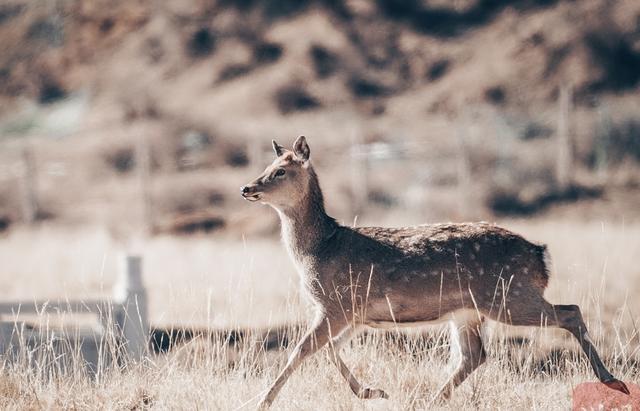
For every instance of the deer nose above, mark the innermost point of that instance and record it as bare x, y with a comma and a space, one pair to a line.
245, 189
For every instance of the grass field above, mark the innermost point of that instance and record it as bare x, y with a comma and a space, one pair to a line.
222, 283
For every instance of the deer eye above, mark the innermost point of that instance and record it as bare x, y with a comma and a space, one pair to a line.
280, 172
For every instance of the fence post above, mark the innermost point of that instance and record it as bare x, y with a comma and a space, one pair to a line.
502, 175
359, 178
28, 198
256, 154
131, 297
602, 142
564, 164
464, 173
143, 163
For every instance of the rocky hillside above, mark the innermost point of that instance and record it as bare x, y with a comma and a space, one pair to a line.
310, 55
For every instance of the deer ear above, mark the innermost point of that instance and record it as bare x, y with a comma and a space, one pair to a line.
277, 148
301, 148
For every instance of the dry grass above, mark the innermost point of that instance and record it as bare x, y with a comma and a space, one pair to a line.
223, 283
209, 383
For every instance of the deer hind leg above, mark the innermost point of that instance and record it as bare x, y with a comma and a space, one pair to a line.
317, 337
356, 387
568, 317
466, 343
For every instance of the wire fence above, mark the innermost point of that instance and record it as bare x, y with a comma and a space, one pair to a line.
468, 157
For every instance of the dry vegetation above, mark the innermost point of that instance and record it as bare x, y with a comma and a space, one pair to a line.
223, 283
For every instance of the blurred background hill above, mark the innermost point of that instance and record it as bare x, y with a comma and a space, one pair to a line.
151, 114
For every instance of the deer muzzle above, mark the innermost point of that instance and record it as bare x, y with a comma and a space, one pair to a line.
250, 192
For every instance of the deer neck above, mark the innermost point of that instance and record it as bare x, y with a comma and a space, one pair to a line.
306, 226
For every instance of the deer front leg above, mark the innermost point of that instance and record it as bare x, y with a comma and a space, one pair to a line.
466, 343
354, 384
317, 337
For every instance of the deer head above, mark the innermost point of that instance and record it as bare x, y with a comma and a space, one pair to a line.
284, 183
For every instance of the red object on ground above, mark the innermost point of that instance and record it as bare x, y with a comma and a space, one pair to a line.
597, 396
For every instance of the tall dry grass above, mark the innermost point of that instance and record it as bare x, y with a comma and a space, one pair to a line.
222, 283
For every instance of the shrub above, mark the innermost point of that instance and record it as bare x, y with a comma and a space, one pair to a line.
293, 98
438, 69
233, 71
237, 157
615, 143
5, 222
325, 63
495, 95
364, 87
121, 159
201, 43
267, 53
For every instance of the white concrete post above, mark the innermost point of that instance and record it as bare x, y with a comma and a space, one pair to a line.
131, 298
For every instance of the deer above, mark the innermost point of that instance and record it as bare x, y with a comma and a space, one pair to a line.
385, 278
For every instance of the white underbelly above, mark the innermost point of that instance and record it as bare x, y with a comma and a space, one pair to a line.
458, 317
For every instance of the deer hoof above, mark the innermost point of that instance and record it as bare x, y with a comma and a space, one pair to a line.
371, 393
264, 405
444, 394
617, 385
